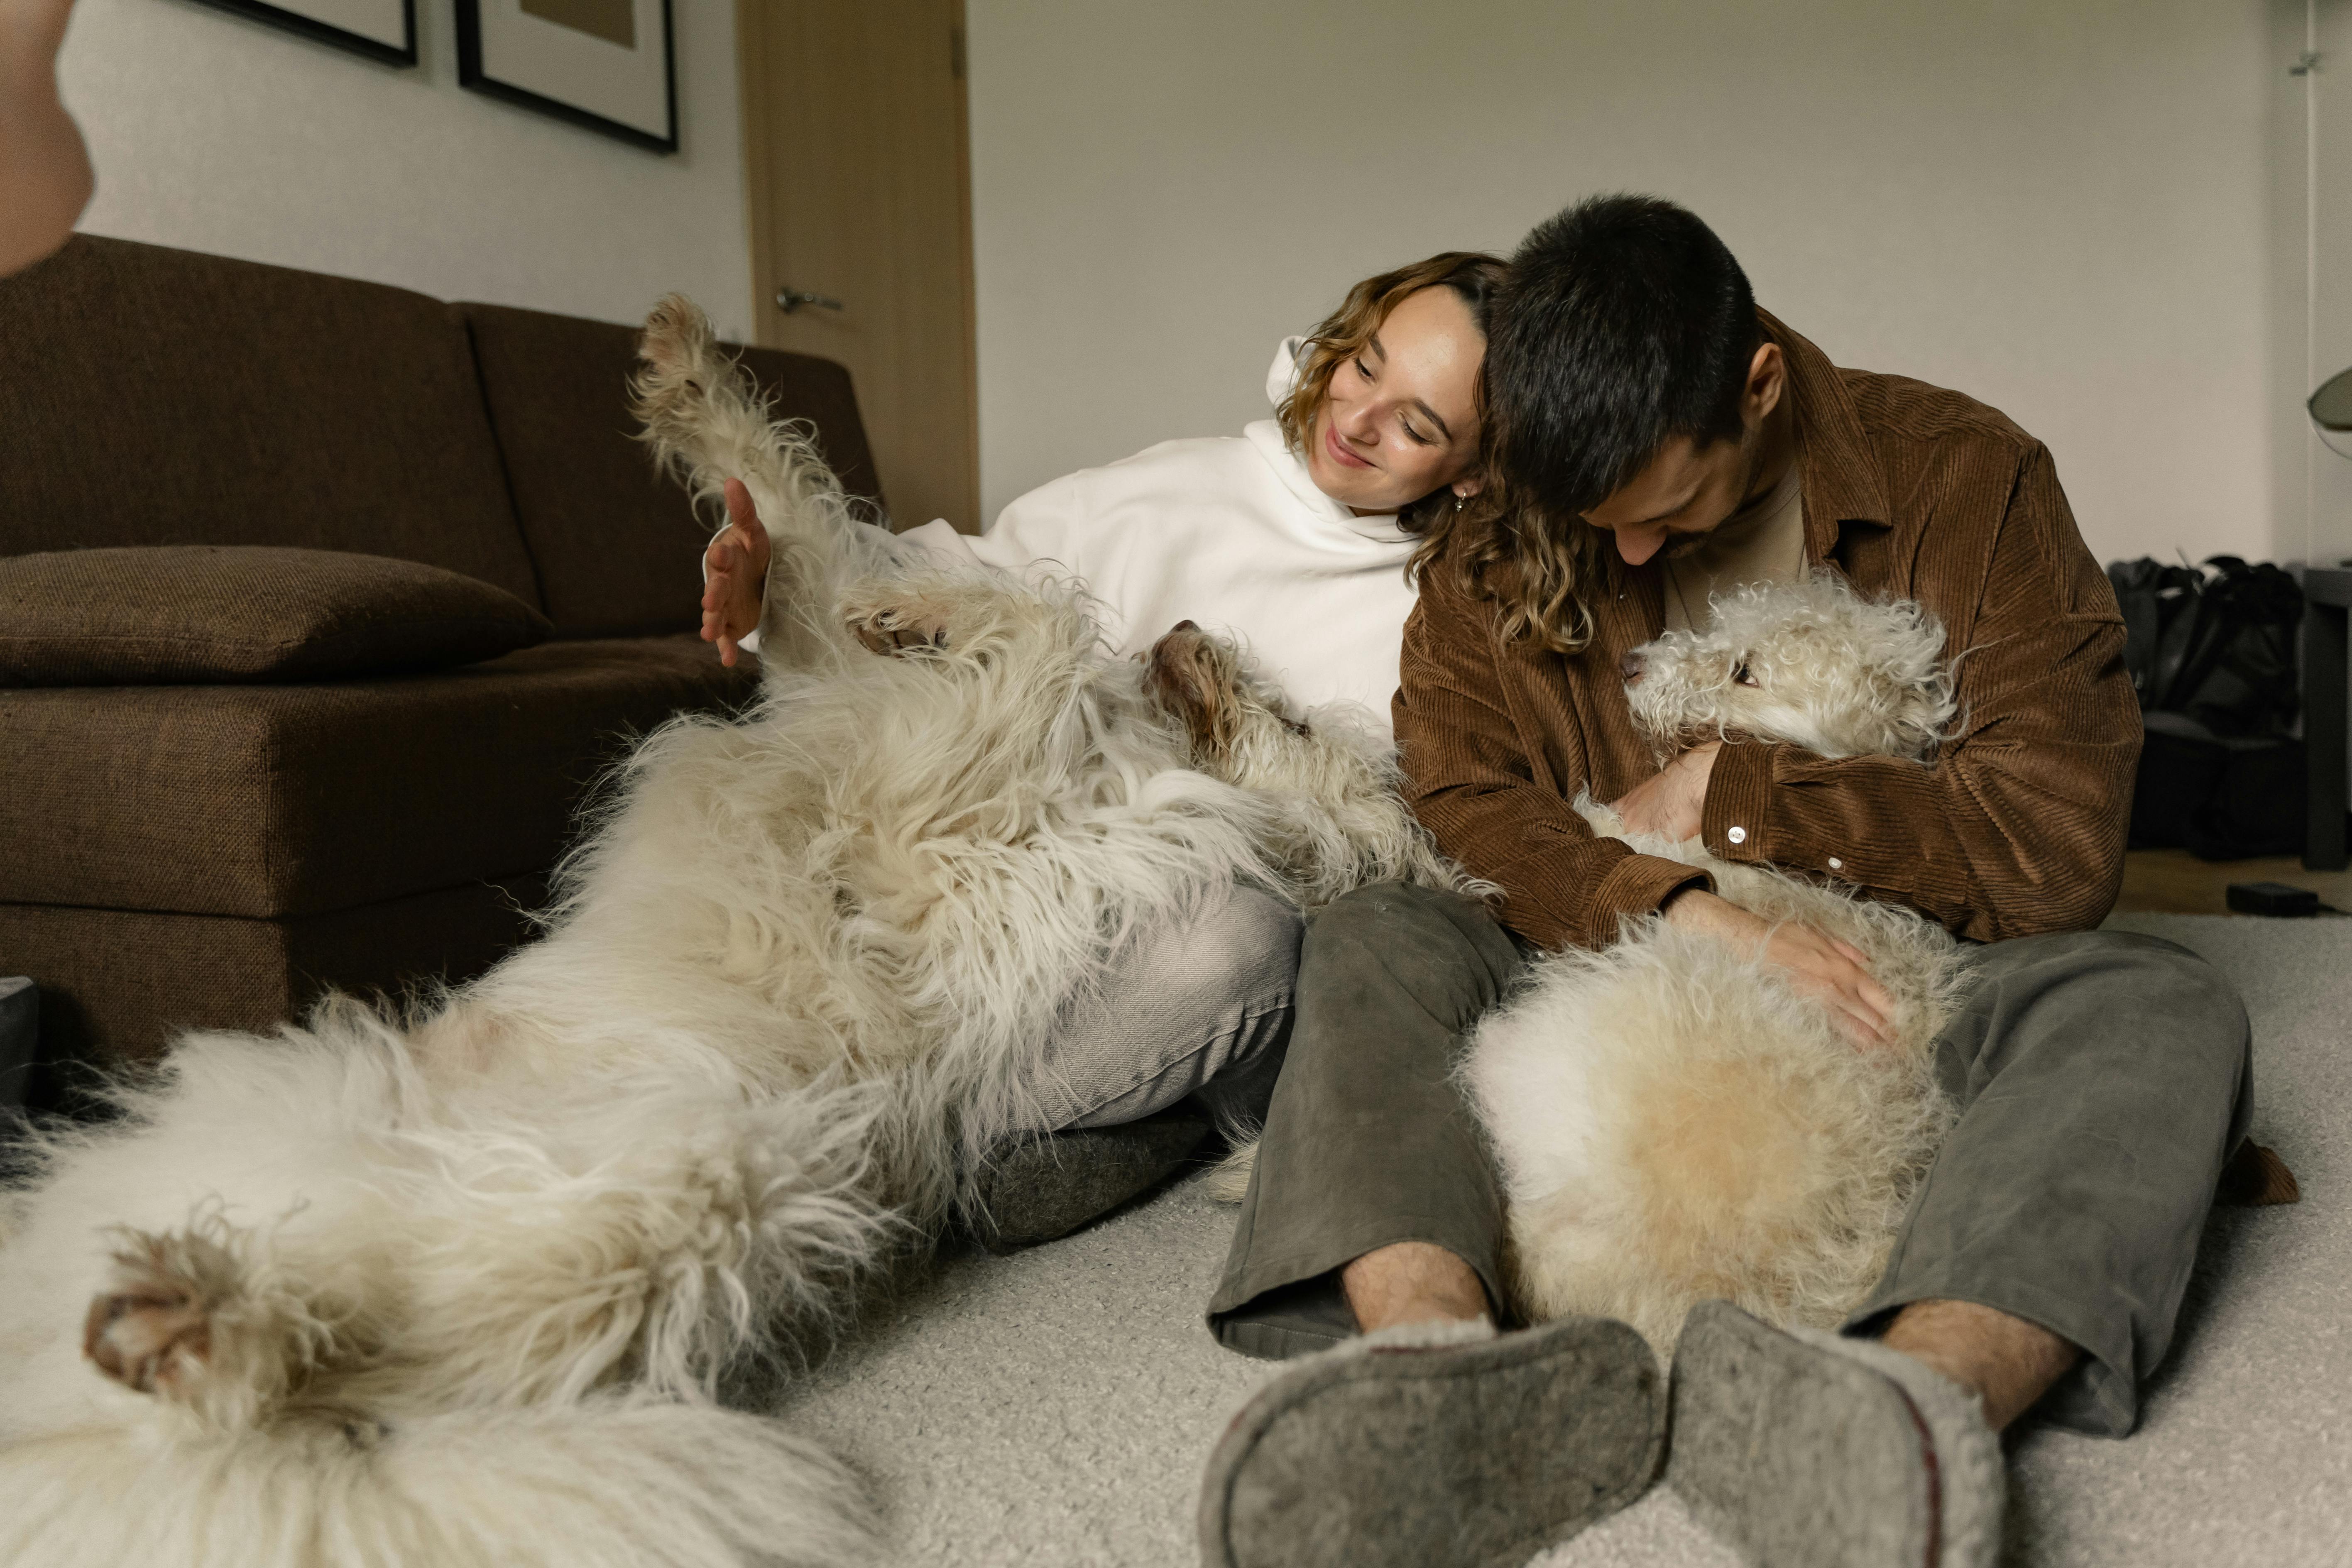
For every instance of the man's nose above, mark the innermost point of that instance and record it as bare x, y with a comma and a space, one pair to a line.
1632, 665
1635, 545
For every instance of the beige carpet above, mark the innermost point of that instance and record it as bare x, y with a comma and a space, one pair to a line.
1053, 1409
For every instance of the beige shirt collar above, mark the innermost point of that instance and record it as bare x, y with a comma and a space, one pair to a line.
1764, 541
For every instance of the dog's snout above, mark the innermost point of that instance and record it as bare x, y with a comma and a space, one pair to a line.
1183, 634
1632, 665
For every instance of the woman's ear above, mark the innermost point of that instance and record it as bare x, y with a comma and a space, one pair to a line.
1468, 487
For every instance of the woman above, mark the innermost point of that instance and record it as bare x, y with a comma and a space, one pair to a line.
1293, 536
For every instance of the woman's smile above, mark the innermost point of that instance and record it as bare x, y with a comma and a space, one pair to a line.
1341, 453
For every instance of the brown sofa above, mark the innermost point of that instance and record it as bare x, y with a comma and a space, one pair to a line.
182, 850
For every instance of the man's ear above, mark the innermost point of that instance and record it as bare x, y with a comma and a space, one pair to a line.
1768, 382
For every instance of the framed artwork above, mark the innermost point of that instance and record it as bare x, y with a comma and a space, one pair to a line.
383, 30
603, 64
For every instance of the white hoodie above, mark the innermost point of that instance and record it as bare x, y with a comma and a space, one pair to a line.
1230, 531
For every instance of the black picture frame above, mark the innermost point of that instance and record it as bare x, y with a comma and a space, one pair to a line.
473, 76
326, 32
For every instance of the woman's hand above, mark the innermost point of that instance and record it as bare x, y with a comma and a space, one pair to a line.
737, 580
1674, 804
1833, 973
45, 176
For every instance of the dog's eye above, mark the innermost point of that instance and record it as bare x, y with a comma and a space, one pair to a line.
1744, 678
1294, 727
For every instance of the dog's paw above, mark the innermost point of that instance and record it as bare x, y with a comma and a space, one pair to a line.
676, 336
151, 1328
901, 628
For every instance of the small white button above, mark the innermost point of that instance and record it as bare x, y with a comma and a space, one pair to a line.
1836, 864
1737, 835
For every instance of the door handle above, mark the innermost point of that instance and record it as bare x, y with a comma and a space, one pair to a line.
789, 301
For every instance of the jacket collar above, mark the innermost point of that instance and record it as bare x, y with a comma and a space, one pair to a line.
1842, 483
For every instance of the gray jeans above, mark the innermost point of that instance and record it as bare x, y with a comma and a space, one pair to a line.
1196, 1011
2103, 1079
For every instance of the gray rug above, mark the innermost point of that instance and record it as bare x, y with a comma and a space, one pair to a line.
1053, 1409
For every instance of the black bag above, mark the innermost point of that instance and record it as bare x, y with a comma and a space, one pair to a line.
2211, 655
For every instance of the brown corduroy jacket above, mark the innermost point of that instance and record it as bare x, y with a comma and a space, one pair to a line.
2017, 826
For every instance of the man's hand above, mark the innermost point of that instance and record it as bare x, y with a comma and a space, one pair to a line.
737, 564
1674, 804
1831, 971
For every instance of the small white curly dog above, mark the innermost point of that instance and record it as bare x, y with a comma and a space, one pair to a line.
455, 1287
1673, 1121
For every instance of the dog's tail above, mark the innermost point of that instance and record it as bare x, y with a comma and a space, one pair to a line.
1230, 1181
642, 1482
705, 420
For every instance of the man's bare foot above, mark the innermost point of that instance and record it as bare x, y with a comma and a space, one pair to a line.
735, 576
2006, 1362
1412, 1282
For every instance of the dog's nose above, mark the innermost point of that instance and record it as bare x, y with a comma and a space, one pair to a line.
1633, 664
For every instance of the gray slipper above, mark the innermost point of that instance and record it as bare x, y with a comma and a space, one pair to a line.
1436, 1444
1035, 1190
1809, 1451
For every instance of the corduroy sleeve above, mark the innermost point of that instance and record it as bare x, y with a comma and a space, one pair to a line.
2018, 827
1470, 779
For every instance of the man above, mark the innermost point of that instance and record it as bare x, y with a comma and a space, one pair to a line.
1660, 437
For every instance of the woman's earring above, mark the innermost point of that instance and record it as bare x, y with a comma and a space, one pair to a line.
1460, 501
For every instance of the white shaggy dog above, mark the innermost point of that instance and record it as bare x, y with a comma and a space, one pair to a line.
456, 1288
1674, 1122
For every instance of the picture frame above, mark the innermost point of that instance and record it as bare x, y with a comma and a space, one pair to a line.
381, 30
608, 66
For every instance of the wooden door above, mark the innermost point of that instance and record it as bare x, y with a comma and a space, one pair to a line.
854, 142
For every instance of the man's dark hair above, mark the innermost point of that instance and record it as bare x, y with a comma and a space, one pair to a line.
1625, 322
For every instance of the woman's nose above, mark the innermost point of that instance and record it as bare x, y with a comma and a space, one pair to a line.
1633, 664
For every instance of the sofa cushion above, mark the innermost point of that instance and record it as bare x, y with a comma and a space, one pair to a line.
617, 544
158, 396
252, 611
273, 800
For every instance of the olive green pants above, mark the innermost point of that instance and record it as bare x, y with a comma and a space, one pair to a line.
2102, 1079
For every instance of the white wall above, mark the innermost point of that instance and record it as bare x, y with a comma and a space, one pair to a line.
2062, 208
219, 135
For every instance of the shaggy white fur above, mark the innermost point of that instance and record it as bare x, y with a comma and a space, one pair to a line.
1674, 1122
455, 1287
